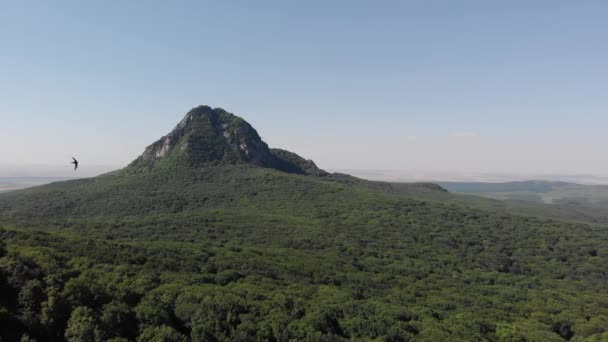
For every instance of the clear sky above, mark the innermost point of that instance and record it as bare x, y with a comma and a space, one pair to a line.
463, 86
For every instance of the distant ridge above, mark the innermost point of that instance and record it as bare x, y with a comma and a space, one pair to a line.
212, 136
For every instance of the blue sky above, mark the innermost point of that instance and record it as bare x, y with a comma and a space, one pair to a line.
463, 86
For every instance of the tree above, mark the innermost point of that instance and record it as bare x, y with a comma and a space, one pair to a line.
54, 314
82, 326
30, 299
118, 320
161, 333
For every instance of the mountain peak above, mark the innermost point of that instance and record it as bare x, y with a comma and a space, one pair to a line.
212, 136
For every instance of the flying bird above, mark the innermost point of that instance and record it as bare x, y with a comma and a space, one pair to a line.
75, 162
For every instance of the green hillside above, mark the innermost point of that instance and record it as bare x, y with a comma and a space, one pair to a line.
537, 191
224, 247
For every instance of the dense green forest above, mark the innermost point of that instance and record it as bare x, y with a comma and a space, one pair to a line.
246, 253
236, 251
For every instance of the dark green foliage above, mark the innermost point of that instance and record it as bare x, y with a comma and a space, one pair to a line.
253, 253
118, 319
161, 333
292, 163
82, 326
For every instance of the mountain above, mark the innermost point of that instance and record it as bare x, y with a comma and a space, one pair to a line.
208, 136
212, 236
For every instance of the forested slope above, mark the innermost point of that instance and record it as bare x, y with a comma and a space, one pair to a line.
261, 254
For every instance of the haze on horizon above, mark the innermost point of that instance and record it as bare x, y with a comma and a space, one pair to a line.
473, 87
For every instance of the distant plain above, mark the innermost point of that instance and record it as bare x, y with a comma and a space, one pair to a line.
15, 183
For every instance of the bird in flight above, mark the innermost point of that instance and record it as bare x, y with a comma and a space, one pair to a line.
75, 162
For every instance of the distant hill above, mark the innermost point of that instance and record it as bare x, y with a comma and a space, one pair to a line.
536, 191
210, 235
